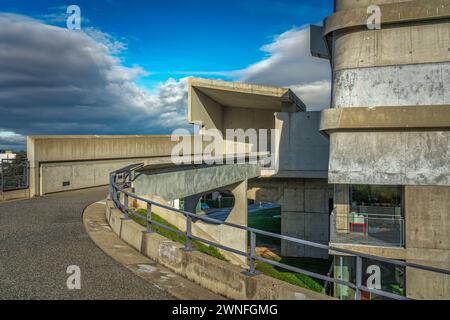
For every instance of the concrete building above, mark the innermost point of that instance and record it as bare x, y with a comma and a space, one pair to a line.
389, 139
370, 174
7, 154
300, 152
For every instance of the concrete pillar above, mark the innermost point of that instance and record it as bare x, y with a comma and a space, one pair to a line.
190, 203
304, 211
342, 206
305, 215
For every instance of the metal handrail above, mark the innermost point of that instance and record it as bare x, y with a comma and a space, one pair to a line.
116, 190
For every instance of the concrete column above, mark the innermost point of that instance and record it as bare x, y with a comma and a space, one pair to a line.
342, 205
305, 215
428, 240
190, 203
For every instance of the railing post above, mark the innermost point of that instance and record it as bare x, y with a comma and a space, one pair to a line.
188, 246
125, 206
149, 219
358, 277
252, 267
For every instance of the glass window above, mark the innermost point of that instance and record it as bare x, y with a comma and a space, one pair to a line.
376, 200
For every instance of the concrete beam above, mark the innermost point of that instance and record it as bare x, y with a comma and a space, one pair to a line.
433, 117
393, 13
177, 182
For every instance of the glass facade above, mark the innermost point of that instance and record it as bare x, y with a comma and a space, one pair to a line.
368, 215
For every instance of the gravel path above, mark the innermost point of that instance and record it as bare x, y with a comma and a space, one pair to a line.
41, 237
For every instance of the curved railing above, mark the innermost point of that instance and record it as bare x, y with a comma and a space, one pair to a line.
126, 174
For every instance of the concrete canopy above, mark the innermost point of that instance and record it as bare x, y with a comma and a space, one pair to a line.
249, 96
215, 103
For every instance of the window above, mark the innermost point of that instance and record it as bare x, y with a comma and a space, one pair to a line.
376, 200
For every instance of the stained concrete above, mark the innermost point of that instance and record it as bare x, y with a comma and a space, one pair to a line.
404, 65
392, 46
182, 182
400, 85
87, 158
394, 118
398, 12
390, 158
209, 272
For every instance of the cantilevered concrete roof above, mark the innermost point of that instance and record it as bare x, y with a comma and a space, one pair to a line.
248, 96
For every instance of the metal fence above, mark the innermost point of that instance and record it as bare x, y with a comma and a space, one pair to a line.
367, 229
14, 174
120, 196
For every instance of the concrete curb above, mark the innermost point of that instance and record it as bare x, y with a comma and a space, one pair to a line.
103, 236
211, 273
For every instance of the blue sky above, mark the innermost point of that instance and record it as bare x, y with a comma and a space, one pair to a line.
173, 39
166, 37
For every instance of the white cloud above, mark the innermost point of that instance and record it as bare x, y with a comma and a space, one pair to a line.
58, 81
289, 63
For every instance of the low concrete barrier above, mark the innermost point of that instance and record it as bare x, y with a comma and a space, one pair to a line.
211, 273
14, 195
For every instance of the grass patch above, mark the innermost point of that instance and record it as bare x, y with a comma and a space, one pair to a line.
314, 265
264, 220
176, 237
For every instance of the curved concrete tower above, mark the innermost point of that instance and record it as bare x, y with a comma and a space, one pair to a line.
389, 126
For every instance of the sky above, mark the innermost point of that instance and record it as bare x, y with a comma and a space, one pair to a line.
126, 70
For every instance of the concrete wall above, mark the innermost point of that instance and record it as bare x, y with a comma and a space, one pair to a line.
211, 273
390, 158
14, 195
399, 85
403, 66
305, 211
428, 240
184, 182
302, 151
86, 159
349, 4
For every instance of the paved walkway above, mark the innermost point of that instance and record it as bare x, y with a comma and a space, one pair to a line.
40, 238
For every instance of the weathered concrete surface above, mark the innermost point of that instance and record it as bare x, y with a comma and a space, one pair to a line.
392, 45
350, 4
406, 85
158, 276
211, 273
14, 195
392, 12
302, 151
428, 240
428, 218
404, 65
96, 154
41, 237
178, 182
390, 158
84, 174
410, 117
